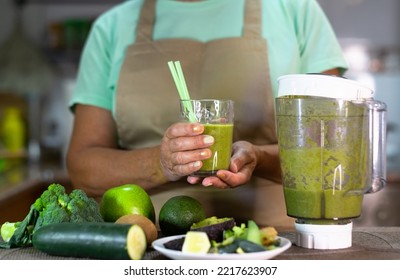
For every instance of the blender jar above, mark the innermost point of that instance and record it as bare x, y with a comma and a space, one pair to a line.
331, 147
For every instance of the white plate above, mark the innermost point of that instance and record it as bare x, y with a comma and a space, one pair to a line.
178, 255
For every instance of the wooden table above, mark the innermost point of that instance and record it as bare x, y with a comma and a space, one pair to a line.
370, 243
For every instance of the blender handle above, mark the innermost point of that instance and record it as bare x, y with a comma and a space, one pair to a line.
377, 142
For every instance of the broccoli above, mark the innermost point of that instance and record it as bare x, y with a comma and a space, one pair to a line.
53, 206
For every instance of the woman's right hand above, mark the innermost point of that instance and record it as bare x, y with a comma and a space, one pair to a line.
183, 148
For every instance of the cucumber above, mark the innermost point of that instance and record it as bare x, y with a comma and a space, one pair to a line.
97, 240
229, 249
253, 232
250, 247
244, 245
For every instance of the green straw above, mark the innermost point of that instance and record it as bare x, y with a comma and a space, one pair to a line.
179, 79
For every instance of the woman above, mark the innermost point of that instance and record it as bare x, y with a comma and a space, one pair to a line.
127, 128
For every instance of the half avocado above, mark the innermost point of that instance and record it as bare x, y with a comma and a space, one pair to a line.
214, 227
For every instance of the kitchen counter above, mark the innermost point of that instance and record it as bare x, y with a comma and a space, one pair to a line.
369, 243
376, 234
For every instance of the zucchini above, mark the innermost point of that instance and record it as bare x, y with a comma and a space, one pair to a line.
97, 240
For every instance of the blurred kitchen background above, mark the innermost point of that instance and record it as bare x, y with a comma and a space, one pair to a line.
40, 44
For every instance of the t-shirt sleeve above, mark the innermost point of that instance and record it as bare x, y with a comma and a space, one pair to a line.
94, 70
319, 47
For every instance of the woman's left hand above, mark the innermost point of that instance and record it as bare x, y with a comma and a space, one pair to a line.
243, 163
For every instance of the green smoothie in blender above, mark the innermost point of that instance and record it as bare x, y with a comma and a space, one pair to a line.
324, 164
311, 195
331, 139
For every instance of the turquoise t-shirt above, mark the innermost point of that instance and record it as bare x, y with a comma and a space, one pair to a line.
299, 37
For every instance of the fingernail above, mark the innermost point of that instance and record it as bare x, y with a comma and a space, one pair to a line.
207, 184
196, 128
203, 153
190, 180
222, 176
197, 164
208, 140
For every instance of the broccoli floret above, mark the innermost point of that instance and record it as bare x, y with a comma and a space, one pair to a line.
53, 206
78, 194
53, 214
49, 196
38, 205
83, 207
56, 189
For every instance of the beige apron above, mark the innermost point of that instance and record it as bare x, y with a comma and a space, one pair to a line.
147, 103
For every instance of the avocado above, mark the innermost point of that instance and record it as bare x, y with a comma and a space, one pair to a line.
175, 244
214, 227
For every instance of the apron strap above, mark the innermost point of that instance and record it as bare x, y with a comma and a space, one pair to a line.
252, 21
144, 29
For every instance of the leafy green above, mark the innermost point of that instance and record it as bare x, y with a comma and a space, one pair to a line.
53, 206
245, 239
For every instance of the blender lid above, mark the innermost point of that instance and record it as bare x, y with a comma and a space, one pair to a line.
323, 86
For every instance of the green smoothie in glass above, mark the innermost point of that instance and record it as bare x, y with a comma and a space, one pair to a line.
221, 149
217, 118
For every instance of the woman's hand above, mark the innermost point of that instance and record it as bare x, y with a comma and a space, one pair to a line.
243, 163
183, 148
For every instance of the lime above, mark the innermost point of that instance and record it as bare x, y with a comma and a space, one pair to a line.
179, 213
196, 242
7, 230
126, 199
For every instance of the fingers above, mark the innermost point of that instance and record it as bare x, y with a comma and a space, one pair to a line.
184, 148
190, 143
243, 154
223, 180
187, 136
184, 129
226, 179
241, 168
193, 180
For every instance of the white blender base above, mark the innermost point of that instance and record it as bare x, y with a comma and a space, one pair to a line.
324, 236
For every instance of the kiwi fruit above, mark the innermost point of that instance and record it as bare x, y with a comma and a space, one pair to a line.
145, 223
